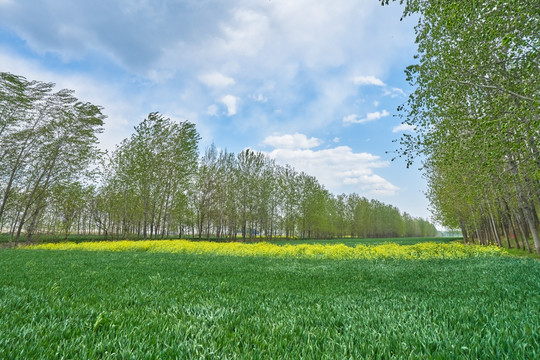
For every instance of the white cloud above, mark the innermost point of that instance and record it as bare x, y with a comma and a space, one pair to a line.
354, 119
399, 91
216, 80
338, 169
246, 33
231, 103
403, 127
368, 80
279, 50
212, 110
376, 115
294, 141
394, 92
259, 98
336, 139
372, 182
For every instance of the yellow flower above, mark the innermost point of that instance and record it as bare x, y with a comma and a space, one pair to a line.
428, 250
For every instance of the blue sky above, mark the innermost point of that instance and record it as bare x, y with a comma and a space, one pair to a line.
311, 83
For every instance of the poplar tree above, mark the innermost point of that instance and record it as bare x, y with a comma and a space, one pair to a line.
47, 138
475, 112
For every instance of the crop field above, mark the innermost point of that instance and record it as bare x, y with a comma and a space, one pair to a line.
142, 304
371, 241
426, 250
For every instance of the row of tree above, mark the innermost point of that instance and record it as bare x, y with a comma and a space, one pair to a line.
47, 142
475, 111
55, 181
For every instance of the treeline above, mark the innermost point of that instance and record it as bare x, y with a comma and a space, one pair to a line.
54, 180
476, 116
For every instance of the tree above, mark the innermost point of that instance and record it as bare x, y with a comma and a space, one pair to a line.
149, 173
474, 109
46, 138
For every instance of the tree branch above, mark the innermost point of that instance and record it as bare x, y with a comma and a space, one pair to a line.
495, 88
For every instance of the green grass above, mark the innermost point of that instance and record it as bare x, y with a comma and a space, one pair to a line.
58, 304
374, 241
523, 253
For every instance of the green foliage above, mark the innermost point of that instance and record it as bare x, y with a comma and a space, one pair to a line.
475, 114
47, 142
146, 177
142, 305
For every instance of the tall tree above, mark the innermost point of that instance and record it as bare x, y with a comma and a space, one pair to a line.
46, 138
153, 170
475, 112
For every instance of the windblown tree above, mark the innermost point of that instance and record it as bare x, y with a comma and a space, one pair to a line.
148, 175
47, 139
475, 112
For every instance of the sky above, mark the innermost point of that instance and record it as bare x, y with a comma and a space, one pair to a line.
311, 83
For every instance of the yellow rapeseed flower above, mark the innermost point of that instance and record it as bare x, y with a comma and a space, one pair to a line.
428, 250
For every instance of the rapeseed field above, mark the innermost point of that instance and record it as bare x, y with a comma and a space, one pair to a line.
428, 250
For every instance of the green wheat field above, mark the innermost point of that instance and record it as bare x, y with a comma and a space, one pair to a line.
135, 305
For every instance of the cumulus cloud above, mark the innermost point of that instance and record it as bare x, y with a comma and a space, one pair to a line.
399, 91
368, 80
292, 141
404, 127
231, 103
280, 50
354, 118
338, 168
216, 80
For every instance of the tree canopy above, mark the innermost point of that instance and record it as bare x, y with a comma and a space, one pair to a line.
474, 109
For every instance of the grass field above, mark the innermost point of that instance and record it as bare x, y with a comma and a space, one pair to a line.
79, 304
374, 241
